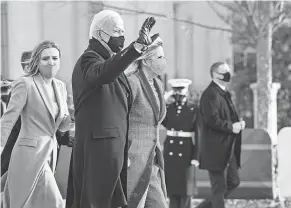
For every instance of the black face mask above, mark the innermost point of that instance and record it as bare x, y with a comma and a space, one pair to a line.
226, 76
116, 43
178, 98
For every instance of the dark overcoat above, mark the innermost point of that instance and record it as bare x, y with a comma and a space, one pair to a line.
102, 100
217, 139
179, 151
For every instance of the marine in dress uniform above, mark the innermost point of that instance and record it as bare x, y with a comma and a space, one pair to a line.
180, 152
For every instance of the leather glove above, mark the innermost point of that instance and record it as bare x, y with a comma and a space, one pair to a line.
71, 141
144, 33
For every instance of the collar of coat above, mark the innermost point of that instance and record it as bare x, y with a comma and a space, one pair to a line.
224, 93
96, 46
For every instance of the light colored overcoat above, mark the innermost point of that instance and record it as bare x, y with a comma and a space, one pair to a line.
145, 119
30, 179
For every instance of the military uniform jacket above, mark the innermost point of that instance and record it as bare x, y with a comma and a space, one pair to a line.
179, 151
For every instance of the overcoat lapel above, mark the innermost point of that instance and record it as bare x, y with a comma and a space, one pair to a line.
123, 80
227, 97
149, 94
60, 97
40, 84
161, 99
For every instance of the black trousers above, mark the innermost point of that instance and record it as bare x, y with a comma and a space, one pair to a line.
180, 201
222, 184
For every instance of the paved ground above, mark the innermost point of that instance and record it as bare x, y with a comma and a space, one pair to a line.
238, 203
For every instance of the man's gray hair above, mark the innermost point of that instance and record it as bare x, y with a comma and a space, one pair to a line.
102, 21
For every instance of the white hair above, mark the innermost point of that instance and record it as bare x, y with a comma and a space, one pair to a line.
102, 21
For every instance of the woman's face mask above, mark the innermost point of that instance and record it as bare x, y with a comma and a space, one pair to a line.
49, 64
157, 62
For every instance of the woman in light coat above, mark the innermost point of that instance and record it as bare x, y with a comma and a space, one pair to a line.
146, 179
40, 99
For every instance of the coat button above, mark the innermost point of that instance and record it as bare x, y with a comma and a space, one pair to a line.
135, 194
180, 154
181, 142
170, 153
171, 141
127, 95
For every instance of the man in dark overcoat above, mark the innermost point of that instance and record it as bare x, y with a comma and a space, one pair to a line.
102, 100
180, 146
220, 142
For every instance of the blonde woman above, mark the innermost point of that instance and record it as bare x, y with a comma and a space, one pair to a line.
40, 99
146, 179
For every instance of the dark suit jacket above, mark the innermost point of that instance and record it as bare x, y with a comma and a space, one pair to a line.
102, 99
217, 139
6, 153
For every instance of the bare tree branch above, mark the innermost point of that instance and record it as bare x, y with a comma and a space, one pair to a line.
242, 6
278, 6
281, 22
277, 20
167, 17
227, 6
251, 6
280, 15
249, 31
221, 16
251, 25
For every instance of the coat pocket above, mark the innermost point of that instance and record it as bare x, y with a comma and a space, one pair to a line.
27, 142
106, 133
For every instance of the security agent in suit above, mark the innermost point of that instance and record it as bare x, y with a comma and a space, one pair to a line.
220, 143
180, 147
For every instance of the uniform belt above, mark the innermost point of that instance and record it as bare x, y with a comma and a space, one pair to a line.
179, 133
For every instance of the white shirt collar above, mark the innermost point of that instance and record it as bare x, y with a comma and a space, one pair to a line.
222, 87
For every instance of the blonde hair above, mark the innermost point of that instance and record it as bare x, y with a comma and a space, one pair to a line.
136, 65
36, 56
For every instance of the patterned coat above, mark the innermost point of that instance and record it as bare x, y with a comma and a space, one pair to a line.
145, 120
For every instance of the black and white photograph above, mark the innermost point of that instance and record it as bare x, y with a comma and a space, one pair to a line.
145, 104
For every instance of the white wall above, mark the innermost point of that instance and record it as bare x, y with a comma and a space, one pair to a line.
67, 23
200, 47
32, 22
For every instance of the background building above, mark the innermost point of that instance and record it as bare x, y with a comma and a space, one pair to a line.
189, 49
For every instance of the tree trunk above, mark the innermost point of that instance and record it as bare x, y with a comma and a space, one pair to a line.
264, 71
266, 91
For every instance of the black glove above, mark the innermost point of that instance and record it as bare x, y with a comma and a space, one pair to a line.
144, 33
71, 141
